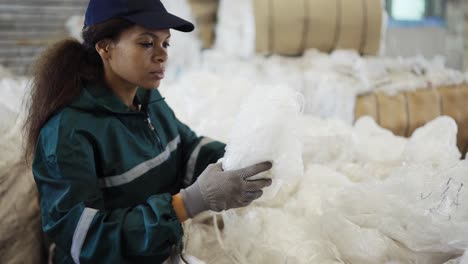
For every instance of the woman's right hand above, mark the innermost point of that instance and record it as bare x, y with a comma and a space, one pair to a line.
219, 190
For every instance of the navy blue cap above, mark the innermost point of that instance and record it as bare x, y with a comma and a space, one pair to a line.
149, 14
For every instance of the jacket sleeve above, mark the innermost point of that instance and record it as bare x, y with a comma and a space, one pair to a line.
73, 214
198, 152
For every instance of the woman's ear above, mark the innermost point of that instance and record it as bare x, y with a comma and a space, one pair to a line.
103, 48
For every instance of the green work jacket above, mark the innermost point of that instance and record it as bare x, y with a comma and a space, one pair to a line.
106, 176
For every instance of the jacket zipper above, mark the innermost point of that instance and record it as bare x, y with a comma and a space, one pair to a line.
151, 127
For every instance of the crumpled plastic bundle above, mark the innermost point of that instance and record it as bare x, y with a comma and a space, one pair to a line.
330, 95
419, 211
327, 142
267, 128
416, 204
200, 236
440, 153
286, 239
376, 144
236, 36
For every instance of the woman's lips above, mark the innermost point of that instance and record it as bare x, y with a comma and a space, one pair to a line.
158, 74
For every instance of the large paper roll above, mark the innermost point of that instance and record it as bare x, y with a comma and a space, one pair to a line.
291, 27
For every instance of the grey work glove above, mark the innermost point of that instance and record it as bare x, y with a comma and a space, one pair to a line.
219, 190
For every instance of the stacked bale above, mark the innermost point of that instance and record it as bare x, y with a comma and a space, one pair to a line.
406, 111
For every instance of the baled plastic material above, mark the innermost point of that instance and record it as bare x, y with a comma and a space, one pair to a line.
267, 129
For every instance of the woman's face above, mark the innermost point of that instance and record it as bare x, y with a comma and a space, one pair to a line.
138, 58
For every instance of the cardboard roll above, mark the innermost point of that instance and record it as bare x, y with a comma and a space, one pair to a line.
405, 112
291, 27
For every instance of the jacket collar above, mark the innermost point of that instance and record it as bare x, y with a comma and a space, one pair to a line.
98, 97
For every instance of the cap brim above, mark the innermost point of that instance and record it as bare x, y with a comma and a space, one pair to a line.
160, 20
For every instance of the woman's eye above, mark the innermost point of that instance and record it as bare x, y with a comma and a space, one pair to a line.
166, 45
147, 45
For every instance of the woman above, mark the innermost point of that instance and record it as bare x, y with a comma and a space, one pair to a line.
116, 171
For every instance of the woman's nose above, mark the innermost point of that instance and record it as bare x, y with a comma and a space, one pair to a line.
160, 55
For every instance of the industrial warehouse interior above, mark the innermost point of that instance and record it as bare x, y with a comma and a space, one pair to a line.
271, 132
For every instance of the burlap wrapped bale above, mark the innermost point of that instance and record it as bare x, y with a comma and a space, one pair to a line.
453, 103
366, 105
392, 113
423, 106
405, 112
205, 17
20, 226
291, 27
